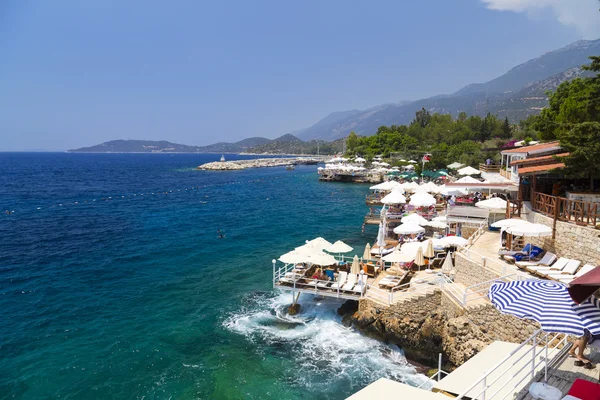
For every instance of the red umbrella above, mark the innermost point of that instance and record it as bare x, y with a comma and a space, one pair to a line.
586, 285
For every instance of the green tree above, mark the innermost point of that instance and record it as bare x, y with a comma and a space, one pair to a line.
422, 118
506, 129
583, 144
352, 142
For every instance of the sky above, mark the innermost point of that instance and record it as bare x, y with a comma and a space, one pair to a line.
77, 73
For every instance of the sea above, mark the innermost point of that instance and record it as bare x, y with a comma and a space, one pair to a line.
116, 284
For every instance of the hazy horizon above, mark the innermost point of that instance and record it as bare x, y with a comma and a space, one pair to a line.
76, 74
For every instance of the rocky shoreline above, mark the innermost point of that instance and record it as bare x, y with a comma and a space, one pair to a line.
257, 163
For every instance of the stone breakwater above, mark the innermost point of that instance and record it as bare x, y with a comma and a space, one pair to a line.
256, 163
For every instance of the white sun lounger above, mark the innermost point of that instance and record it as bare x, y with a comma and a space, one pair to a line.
546, 261
559, 265
340, 281
569, 269
568, 278
350, 282
361, 284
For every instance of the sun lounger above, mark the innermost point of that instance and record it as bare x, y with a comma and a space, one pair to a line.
546, 261
569, 269
350, 282
568, 278
533, 254
559, 265
361, 284
341, 280
525, 250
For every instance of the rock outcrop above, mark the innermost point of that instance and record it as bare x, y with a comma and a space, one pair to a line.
431, 324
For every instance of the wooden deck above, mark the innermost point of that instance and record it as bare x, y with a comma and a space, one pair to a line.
564, 374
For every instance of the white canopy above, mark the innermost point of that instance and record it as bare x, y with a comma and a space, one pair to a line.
412, 161
384, 164
428, 187
321, 259
339, 247
495, 204
530, 230
414, 219
448, 191
387, 185
408, 229
293, 257
394, 197
454, 165
422, 199
410, 186
468, 179
398, 257
319, 242
360, 160
437, 224
375, 163
468, 171
454, 241
440, 218
505, 223
409, 167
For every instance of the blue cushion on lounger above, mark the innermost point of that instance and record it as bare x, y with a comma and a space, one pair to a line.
329, 273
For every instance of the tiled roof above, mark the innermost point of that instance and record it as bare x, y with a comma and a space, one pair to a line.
537, 148
536, 160
540, 168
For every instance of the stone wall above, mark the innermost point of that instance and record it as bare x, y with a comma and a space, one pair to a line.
572, 241
471, 272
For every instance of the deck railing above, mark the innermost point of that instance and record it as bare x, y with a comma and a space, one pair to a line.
505, 173
563, 209
438, 375
541, 350
495, 168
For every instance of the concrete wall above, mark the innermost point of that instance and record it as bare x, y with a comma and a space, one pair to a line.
572, 241
471, 272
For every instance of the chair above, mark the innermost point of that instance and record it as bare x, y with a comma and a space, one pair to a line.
341, 280
559, 265
350, 282
546, 261
569, 278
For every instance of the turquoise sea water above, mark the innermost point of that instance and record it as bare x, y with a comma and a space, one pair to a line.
115, 284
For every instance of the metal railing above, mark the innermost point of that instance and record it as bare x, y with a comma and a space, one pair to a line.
440, 373
481, 290
492, 265
478, 233
549, 347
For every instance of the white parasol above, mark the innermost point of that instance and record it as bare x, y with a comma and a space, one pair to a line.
339, 247
495, 204
408, 229
422, 199
414, 219
394, 197
398, 257
468, 179
530, 230
367, 253
468, 171
505, 223
454, 241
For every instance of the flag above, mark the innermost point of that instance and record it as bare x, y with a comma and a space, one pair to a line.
426, 157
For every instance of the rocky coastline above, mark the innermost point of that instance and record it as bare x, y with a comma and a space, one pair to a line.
433, 324
257, 163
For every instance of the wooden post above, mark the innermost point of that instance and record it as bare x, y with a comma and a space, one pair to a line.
533, 187
556, 212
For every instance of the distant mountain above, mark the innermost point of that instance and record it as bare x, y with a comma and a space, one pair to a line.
516, 94
285, 138
150, 146
290, 146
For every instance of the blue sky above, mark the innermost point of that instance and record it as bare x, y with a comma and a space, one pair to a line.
76, 73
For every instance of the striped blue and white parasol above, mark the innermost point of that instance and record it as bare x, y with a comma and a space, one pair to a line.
548, 303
